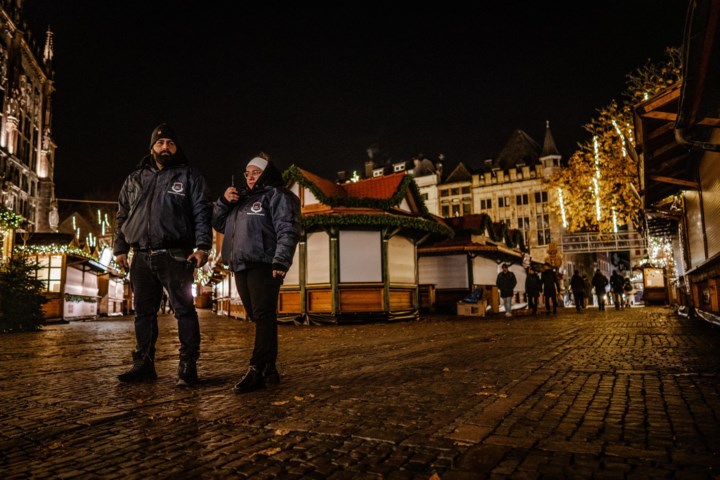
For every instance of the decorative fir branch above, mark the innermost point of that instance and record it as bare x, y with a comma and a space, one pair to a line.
344, 219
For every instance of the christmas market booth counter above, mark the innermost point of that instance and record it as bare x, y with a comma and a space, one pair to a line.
471, 260
77, 285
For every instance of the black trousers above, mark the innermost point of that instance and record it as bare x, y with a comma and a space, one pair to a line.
579, 297
533, 303
259, 292
551, 298
149, 273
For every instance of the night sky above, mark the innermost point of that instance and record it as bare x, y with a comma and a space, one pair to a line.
316, 87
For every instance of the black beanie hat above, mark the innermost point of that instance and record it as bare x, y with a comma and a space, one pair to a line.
162, 131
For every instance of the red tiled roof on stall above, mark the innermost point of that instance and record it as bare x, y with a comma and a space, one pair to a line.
467, 222
383, 187
331, 189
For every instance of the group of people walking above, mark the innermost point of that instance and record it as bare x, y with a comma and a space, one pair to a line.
164, 221
547, 283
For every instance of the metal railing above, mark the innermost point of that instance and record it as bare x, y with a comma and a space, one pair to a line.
601, 242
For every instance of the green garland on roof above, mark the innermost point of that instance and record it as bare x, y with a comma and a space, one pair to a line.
9, 220
294, 173
413, 223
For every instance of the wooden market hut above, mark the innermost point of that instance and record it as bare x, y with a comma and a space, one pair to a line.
77, 285
452, 268
677, 133
357, 259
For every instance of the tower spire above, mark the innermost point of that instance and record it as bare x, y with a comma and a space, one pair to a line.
549, 147
48, 51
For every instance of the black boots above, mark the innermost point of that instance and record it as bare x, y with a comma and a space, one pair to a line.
143, 370
271, 375
251, 381
187, 373
254, 379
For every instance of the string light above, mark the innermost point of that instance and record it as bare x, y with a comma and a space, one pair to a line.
9, 220
562, 208
622, 138
615, 225
596, 180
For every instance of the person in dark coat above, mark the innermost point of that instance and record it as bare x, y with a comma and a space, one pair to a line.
506, 282
616, 285
600, 281
261, 223
587, 300
550, 288
578, 288
533, 287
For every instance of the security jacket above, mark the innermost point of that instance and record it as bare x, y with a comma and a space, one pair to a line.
168, 208
262, 227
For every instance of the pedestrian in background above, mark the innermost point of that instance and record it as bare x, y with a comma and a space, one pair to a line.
533, 287
164, 214
506, 282
587, 291
578, 290
600, 283
550, 288
616, 285
261, 223
628, 292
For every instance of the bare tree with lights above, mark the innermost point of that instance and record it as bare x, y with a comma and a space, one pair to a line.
598, 191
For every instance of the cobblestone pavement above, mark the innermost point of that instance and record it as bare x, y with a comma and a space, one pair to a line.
628, 394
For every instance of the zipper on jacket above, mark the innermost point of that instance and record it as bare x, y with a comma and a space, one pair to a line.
150, 204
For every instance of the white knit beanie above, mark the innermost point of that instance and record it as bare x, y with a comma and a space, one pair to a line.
258, 162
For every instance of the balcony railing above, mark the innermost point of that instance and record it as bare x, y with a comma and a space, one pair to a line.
601, 242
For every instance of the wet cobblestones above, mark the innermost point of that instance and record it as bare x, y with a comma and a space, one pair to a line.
628, 394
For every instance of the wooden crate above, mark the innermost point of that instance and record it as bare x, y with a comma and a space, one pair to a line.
472, 309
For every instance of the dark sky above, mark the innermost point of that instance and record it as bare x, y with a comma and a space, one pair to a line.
317, 86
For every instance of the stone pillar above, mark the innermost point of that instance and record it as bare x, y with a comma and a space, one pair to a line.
44, 207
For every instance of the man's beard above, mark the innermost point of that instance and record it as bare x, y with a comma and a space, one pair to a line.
164, 158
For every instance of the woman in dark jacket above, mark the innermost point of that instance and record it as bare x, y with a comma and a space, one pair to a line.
533, 287
261, 223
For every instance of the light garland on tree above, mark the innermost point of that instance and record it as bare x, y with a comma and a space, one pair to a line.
615, 224
9, 220
562, 208
622, 138
596, 180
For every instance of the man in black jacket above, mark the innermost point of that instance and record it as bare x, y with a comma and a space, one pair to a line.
164, 214
506, 282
